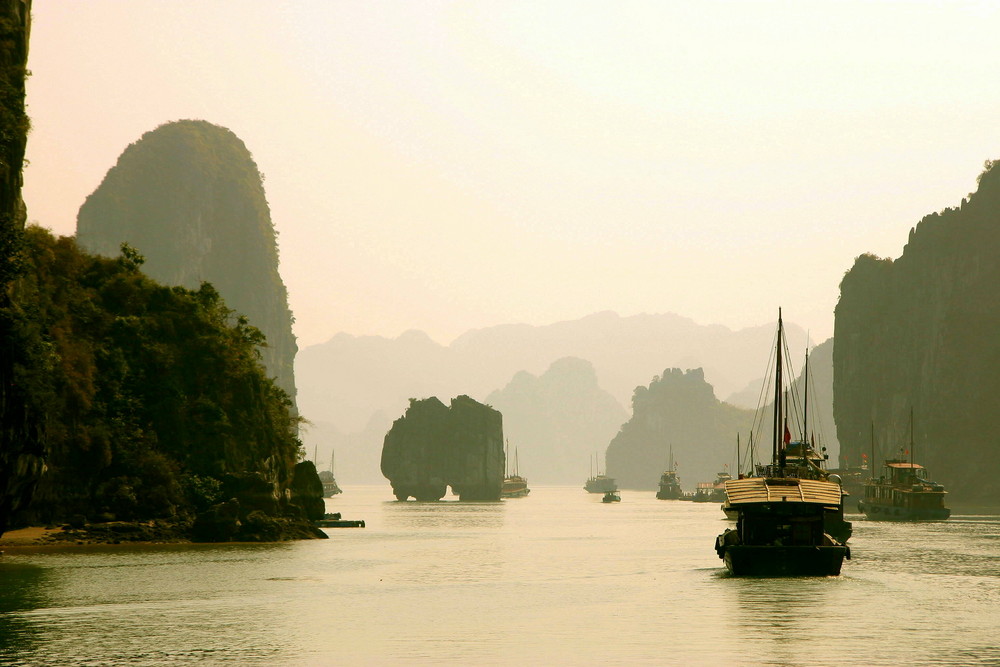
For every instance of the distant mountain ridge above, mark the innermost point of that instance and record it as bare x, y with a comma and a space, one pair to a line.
347, 379
557, 421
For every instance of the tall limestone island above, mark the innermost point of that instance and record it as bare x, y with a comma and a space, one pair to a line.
678, 410
923, 333
433, 446
189, 197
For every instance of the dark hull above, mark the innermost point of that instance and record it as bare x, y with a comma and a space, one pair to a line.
515, 493
669, 493
888, 512
775, 561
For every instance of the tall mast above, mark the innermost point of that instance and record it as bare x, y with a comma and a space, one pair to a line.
778, 431
805, 408
911, 441
738, 466
872, 463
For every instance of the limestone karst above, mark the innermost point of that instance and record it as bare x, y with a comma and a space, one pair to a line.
190, 198
434, 446
922, 333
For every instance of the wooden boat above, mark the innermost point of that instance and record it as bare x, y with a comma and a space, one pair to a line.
330, 487
612, 497
783, 509
514, 486
670, 484
779, 529
712, 492
903, 493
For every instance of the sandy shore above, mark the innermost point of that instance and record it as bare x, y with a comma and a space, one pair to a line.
24, 537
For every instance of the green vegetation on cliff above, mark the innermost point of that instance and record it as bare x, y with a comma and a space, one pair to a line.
923, 333
152, 396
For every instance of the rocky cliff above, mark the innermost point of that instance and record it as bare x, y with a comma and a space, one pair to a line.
21, 440
557, 421
678, 409
434, 446
922, 333
189, 197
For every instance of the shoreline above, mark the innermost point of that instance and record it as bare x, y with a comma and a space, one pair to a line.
33, 539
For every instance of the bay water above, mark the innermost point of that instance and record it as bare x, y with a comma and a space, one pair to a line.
556, 578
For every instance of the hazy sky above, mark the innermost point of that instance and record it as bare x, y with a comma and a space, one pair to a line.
453, 165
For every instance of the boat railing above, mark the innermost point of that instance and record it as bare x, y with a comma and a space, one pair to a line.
801, 472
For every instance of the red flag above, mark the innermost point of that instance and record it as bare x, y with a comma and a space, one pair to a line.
864, 456
788, 435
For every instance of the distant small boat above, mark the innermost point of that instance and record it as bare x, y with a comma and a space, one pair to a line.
612, 497
334, 521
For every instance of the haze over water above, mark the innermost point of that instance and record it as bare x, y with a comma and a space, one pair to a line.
556, 578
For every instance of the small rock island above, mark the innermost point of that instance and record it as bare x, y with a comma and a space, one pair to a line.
434, 446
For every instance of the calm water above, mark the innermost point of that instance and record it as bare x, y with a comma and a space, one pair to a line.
557, 578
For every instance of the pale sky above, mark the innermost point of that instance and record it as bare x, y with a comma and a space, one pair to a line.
453, 165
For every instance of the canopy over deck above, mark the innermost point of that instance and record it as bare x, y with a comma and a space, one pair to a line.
782, 489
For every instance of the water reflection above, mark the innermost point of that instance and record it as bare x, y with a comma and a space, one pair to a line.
443, 514
20, 585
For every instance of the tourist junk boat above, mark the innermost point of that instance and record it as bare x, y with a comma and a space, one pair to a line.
903, 492
514, 486
782, 510
599, 483
712, 492
670, 484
